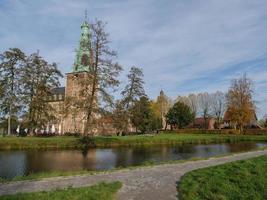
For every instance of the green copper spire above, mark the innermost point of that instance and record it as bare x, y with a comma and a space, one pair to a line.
83, 54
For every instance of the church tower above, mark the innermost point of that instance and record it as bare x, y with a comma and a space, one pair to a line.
83, 59
82, 67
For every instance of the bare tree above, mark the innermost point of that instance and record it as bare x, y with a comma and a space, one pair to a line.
182, 99
193, 99
98, 87
204, 103
218, 106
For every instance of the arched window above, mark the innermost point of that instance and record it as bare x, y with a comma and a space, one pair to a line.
85, 60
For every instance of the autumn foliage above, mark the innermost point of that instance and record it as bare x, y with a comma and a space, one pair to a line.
241, 108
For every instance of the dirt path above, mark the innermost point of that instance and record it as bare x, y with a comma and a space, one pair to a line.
158, 182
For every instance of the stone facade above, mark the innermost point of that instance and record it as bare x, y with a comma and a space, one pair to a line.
56, 100
75, 118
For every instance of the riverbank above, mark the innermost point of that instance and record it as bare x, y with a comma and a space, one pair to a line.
156, 182
70, 142
101, 191
238, 180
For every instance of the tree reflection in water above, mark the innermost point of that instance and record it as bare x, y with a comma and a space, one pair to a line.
14, 163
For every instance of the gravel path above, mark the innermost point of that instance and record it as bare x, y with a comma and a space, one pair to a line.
157, 182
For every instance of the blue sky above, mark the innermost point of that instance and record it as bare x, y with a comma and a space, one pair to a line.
183, 46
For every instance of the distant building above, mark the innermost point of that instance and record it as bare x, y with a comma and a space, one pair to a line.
201, 123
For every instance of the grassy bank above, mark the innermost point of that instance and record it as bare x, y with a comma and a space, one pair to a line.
57, 142
69, 142
102, 191
238, 180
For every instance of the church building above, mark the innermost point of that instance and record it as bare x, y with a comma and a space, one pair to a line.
74, 121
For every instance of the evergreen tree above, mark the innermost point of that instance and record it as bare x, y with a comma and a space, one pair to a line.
11, 64
131, 93
143, 117
134, 88
180, 115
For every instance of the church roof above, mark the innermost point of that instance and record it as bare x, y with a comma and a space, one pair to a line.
59, 90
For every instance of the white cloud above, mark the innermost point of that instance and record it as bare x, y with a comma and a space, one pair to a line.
183, 46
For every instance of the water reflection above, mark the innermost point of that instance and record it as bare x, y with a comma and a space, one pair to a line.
14, 163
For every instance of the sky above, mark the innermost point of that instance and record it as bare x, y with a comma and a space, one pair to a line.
183, 46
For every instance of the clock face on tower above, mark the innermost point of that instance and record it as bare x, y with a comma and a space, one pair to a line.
85, 60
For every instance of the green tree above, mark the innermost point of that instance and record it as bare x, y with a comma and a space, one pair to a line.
38, 79
180, 115
134, 88
143, 117
120, 117
157, 114
11, 64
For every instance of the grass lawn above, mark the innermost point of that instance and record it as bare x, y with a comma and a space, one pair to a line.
246, 180
102, 191
65, 142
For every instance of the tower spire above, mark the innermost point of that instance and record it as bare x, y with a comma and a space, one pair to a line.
83, 54
85, 14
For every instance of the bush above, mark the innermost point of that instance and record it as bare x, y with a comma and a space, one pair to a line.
45, 134
72, 134
22, 133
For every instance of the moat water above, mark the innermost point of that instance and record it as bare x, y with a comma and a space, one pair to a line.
21, 163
